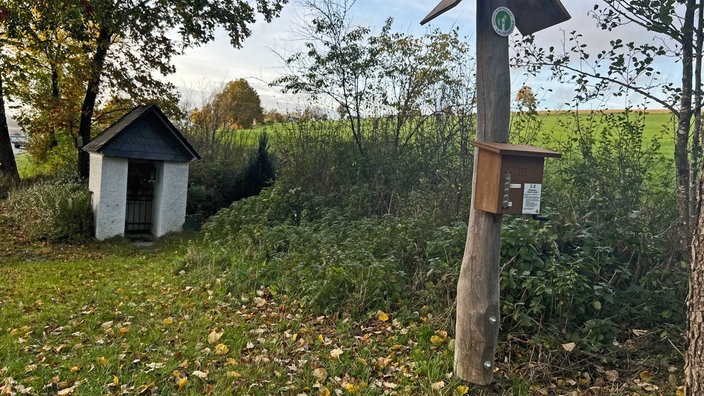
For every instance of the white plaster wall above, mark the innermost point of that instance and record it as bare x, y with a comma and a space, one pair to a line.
108, 183
96, 167
170, 195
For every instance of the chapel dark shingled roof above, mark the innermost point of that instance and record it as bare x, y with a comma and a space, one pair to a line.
143, 133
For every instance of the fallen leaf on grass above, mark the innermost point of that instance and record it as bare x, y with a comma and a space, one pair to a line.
436, 340
221, 349
437, 385
259, 302
335, 353
382, 316
67, 391
214, 336
320, 374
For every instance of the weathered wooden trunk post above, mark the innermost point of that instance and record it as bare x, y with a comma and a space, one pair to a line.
478, 309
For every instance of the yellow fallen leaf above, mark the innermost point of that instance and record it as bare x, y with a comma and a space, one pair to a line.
644, 375
122, 331
335, 353
462, 390
436, 340
324, 391
75, 369
182, 383
103, 361
168, 321
234, 374
231, 361
221, 349
115, 380
383, 362
584, 382
351, 388
382, 316
214, 336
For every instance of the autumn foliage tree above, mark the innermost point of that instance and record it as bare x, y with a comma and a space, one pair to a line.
124, 45
239, 104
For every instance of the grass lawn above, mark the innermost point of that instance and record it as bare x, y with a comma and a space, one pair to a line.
115, 319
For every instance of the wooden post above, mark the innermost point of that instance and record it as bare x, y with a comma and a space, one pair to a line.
477, 328
478, 310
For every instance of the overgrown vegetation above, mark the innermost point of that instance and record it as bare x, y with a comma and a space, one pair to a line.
53, 210
343, 242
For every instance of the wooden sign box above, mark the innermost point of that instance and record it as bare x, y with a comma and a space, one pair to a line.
509, 177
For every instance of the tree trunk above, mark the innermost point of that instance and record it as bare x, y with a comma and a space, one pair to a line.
694, 360
696, 144
84, 130
8, 166
56, 98
685, 217
477, 326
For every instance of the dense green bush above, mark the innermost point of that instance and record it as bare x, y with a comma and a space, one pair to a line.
54, 210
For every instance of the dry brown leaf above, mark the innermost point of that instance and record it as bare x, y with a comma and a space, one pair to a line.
611, 375
569, 347
437, 385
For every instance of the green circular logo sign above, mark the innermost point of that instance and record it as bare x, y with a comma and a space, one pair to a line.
503, 21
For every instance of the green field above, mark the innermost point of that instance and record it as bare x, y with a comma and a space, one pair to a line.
657, 124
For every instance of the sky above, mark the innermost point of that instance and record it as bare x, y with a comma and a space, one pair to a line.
202, 71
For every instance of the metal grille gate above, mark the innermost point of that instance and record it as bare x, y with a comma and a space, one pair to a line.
140, 195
